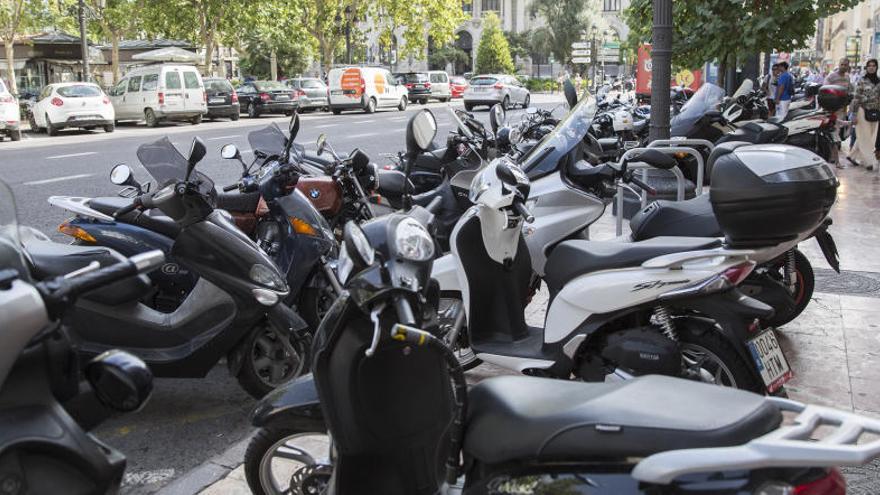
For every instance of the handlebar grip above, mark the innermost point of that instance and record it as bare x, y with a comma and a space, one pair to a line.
404, 310
434, 204
520, 208
127, 209
230, 187
650, 190
140, 263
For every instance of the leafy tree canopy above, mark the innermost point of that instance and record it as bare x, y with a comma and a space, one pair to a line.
493, 52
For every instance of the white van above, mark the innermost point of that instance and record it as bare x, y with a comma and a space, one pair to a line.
160, 92
440, 87
364, 88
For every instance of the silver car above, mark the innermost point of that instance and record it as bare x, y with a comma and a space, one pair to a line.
313, 92
490, 89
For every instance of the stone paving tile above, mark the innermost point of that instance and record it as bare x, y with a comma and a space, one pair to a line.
859, 303
820, 369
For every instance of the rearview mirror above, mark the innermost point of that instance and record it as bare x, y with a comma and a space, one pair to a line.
121, 381
229, 152
496, 117
571, 94
322, 143
197, 151
121, 175
656, 159
420, 131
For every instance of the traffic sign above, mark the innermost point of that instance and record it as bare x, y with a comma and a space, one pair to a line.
580, 45
581, 60
581, 53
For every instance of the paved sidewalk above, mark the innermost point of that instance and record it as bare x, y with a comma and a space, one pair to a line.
833, 348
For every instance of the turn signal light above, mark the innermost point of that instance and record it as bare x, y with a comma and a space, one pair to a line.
498, 85
300, 226
831, 484
265, 96
234, 97
161, 98
57, 101
76, 232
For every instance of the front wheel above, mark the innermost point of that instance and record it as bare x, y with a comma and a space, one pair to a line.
447, 310
527, 101
708, 356
402, 105
270, 359
252, 111
283, 460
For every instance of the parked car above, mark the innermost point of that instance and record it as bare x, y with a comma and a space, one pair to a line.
457, 86
260, 97
222, 98
10, 117
490, 89
366, 88
160, 92
313, 92
440, 87
65, 105
418, 86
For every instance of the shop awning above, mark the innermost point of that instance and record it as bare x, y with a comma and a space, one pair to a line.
169, 54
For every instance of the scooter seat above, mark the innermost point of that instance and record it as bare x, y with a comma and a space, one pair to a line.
573, 258
238, 202
152, 220
791, 115
527, 418
49, 259
690, 218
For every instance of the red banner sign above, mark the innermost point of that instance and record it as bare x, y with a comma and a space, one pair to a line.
689, 78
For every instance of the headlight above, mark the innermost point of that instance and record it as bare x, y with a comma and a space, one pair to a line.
412, 241
357, 244
479, 185
266, 276
344, 265
514, 135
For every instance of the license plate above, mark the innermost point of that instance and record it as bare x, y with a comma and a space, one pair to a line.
770, 360
336, 92
217, 100
282, 98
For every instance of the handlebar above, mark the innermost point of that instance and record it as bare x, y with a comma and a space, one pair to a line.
135, 204
230, 187
434, 204
520, 208
635, 180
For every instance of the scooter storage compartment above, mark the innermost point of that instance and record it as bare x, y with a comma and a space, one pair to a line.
770, 193
832, 98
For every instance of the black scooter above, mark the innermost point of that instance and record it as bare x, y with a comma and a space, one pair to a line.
232, 311
401, 420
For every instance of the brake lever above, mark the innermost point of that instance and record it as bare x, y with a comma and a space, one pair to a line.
374, 316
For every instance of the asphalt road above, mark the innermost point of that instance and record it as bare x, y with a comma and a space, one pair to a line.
187, 421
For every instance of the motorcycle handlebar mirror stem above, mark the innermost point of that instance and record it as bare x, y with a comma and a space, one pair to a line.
197, 151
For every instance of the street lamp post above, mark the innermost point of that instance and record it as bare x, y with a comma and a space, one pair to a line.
83, 41
661, 69
348, 34
594, 31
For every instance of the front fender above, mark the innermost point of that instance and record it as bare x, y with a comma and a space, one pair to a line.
295, 403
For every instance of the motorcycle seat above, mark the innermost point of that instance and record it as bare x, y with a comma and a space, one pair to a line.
519, 418
757, 133
49, 259
390, 183
692, 217
573, 258
152, 220
791, 115
238, 202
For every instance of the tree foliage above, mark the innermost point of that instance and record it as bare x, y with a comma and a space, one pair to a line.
115, 20
18, 17
446, 55
413, 21
565, 21
725, 30
493, 52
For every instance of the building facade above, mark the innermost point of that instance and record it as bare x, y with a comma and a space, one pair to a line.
852, 33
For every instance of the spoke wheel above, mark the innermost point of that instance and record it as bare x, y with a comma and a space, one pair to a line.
270, 359
288, 462
447, 310
703, 364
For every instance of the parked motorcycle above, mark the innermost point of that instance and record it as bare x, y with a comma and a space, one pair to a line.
44, 444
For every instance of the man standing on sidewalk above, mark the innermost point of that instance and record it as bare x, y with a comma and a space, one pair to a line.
840, 77
784, 90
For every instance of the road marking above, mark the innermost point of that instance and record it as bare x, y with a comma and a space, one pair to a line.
355, 136
71, 155
398, 119
220, 137
57, 179
370, 121
323, 126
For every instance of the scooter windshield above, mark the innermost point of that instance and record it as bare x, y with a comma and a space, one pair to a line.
269, 140
166, 165
11, 252
544, 157
704, 100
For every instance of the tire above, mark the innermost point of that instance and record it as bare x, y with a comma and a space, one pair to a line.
235, 116
336, 111
263, 340
313, 305
402, 105
196, 120
150, 118
423, 101
804, 285
505, 103
710, 340
252, 111
15, 135
446, 318
51, 130
371, 106
109, 128
262, 444
468, 107
527, 101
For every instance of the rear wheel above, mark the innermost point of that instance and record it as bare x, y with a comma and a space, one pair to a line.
285, 460
109, 128
150, 118
336, 111
252, 111
468, 107
708, 356
235, 116
270, 359
371, 105
804, 284
402, 105
196, 120
15, 135
527, 101
50, 129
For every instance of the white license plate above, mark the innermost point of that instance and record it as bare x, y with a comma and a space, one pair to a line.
282, 98
336, 92
217, 100
770, 360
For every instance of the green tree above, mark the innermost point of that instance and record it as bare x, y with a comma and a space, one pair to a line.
565, 21
418, 20
493, 52
725, 30
116, 20
448, 54
19, 17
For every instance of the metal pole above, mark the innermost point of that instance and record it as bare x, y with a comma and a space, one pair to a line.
661, 72
86, 76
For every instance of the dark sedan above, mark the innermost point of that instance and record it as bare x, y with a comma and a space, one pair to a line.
417, 85
222, 99
259, 97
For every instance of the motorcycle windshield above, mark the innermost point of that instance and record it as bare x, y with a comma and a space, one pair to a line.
167, 165
704, 100
544, 157
11, 252
269, 140
744, 89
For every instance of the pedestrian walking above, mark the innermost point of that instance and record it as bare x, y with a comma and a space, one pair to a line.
769, 88
784, 90
840, 77
866, 115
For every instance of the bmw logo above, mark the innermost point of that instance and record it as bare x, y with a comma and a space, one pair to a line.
314, 193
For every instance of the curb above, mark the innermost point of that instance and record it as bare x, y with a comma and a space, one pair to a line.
209, 472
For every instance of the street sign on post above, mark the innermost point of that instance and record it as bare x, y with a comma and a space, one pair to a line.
581, 53
580, 45
581, 60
